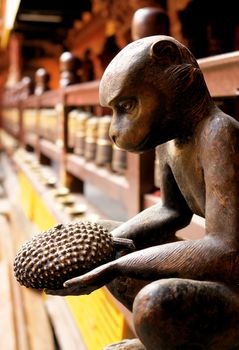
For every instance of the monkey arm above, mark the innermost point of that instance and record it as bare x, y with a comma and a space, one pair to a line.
207, 259
154, 225
220, 160
158, 224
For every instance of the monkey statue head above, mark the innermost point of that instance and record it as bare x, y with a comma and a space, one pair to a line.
157, 92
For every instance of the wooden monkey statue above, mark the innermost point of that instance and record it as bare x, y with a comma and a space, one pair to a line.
183, 294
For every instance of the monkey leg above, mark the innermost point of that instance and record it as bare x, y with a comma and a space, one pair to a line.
178, 314
125, 290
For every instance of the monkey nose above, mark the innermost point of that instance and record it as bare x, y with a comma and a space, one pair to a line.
113, 138
113, 134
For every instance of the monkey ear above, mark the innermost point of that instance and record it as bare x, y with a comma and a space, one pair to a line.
166, 51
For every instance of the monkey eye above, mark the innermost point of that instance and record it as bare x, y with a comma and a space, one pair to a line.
127, 106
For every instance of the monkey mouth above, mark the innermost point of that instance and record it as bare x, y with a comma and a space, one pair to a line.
141, 146
145, 144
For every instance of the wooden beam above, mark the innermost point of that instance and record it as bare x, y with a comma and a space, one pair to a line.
221, 73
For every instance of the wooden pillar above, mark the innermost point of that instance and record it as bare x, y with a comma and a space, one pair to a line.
140, 176
15, 59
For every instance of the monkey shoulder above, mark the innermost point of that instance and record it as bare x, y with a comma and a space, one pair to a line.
219, 136
216, 137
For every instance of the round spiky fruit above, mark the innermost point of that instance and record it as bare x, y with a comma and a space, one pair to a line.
63, 252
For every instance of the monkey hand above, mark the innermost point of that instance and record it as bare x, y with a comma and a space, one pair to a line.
88, 282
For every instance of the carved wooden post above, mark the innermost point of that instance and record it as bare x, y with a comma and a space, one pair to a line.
25, 90
69, 64
149, 21
42, 78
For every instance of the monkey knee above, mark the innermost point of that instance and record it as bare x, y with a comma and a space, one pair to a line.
157, 299
179, 312
155, 307
175, 299
162, 313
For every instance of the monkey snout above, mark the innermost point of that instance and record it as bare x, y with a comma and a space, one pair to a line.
113, 134
113, 138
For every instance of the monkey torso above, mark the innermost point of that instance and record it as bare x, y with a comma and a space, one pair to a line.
188, 160
187, 172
